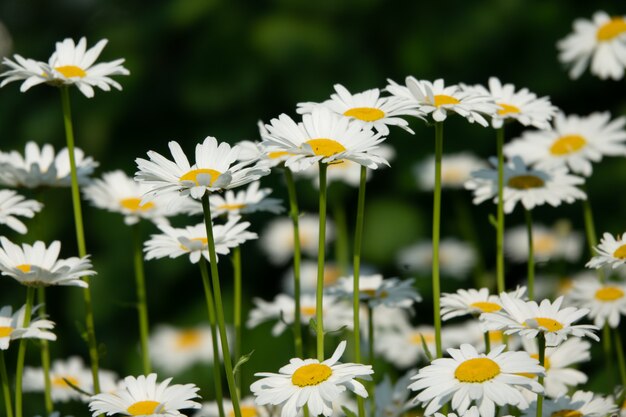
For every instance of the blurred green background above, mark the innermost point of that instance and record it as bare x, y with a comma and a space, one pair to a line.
210, 67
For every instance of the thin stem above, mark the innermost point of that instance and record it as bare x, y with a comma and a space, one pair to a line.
500, 285
219, 309
370, 328
590, 231
487, 342
30, 296
607, 348
294, 214
356, 266
142, 304
542, 361
6, 387
319, 313
341, 243
619, 349
217, 372
531, 254
436, 227
80, 237
236, 258
45, 354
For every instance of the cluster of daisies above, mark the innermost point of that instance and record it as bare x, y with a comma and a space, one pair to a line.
515, 351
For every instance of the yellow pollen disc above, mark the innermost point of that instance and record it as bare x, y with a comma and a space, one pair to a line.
141, 408
429, 338
544, 244
565, 284
326, 147
507, 109
524, 182
5, 331
232, 206
367, 114
609, 294
567, 144
452, 175
441, 99
24, 268
567, 413
620, 253
70, 71
486, 306
611, 29
307, 310
477, 370
59, 381
188, 339
312, 374
496, 336
132, 204
193, 175
549, 324
246, 411
274, 155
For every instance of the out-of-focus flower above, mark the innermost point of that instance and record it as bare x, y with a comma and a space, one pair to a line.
455, 170
557, 242
11, 205
456, 258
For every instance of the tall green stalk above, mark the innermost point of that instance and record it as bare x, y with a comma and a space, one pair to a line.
45, 354
542, 361
80, 237
590, 231
356, 266
500, 285
219, 308
319, 310
142, 304
436, 232
487, 342
21, 352
531, 254
619, 349
236, 258
6, 386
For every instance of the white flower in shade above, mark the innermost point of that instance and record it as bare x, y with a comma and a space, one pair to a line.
246, 201
530, 187
473, 302
322, 136
611, 252
143, 396
602, 41
374, 290
469, 377
277, 238
574, 141
456, 258
119, 193
437, 99
247, 406
552, 286
12, 327
387, 319
559, 363
336, 314
310, 382
308, 277
11, 205
606, 301
24, 69
213, 170
41, 168
522, 105
581, 404
529, 319
455, 170
38, 266
392, 400
367, 108
557, 242
192, 240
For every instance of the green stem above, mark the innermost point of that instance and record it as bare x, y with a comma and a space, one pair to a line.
6, 387
531, 254
142, 304
45, 354
21, 353
590, 230
341, 244
542, 361
607, 350
500, 285
217, 373
219, 308
319, 316
236, 258
80, 237
436, 227
356, 265
294, 214
619, 349
487, 342
370, 328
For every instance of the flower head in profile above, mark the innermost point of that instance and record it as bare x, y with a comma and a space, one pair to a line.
611, 251
455, 170
582, 403
310, 382
39, 266
308, 277
374, 290
12, 327
12, 205
606, 301
472, 302
245, 201
600, 42
549, 243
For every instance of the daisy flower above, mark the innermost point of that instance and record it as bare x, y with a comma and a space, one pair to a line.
469, 377
24, 69
601, 40
530, 187
367, 108
573, 141
246, 405
310, 382
611, 252
374, 290
473, 302
250, 151
437, 99
456, 258
308, 277
606, 301
521, 105
38, 266
11, 205
582, 403
246, 201
455, 170
557, 242
193, 240
142, 396
213, 170
323, 136
528, 319
11, 327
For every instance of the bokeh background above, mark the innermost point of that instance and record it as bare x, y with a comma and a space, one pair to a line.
211, 67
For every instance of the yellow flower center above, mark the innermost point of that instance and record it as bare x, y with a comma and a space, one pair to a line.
70, 71
565, 284
188, 339
326, 147
550, 325
452, 175
567, 144
231, 206
24, 268
567, 413
141, 408
442, 99
307, 310
5, 331
611, 29
274, 155
132, 204
59, 381
331, 275
416, 338
486, 306
193, 175
477, 370
620, 253
311, 374
367, 114
525, 182
544, 244
246, 411
507, 109
496, 336
609, 294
